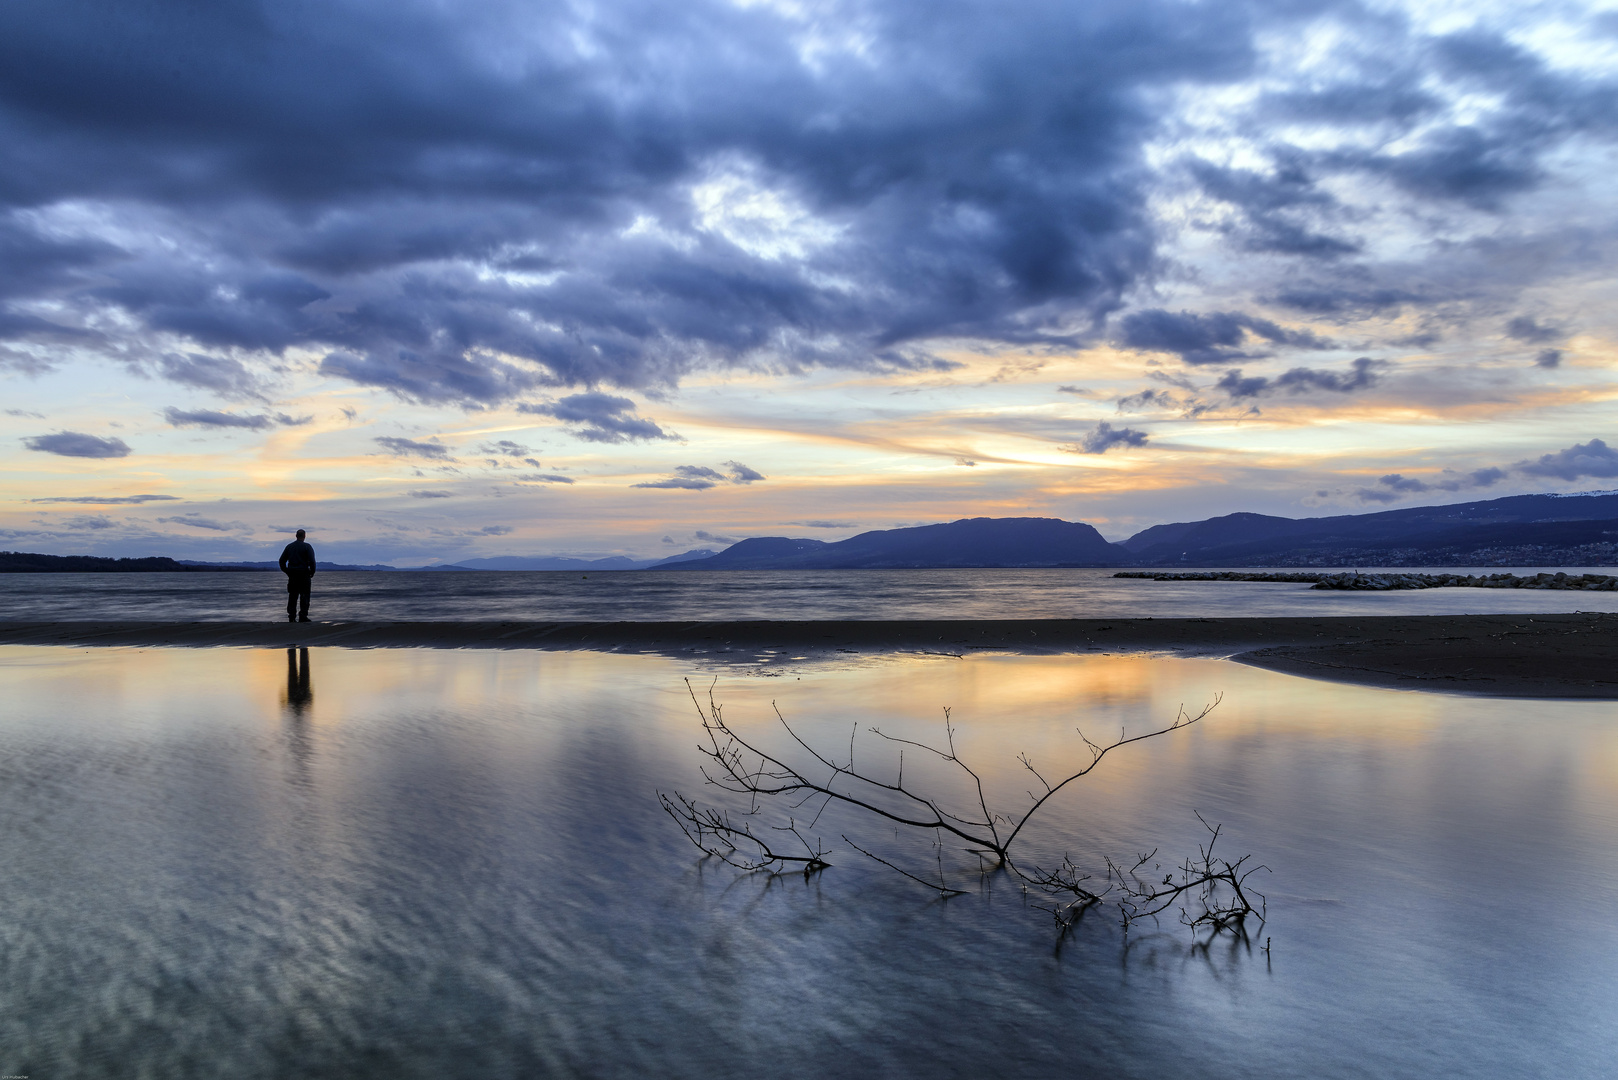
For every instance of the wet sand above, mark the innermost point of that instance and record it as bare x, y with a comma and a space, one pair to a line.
1539, 656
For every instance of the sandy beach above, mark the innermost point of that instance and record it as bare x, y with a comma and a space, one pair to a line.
1538, 656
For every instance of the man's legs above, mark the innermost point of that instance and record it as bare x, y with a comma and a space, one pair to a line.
303, 600
292, 600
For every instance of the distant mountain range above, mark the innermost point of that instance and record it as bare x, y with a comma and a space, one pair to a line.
616, 562
1520, 530
972, 542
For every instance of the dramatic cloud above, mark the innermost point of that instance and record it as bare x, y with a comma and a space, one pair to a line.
78, 444
110, 500
428, 494
214, 419
463, 206
412, 448
505, 448
1594, 458
1279, 210
1396, 484
195, 521
1362, 374
701, 478
543, 478
1526, 329
687, 478
1402, 483
1105, 437
1548, 358
226, 376
603, 418
92, 522
1149, 399
1213, 338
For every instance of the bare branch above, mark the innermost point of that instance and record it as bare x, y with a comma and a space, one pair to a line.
1209, 892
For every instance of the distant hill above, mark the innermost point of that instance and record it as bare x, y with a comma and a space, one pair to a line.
197, 564
24, 562
971, 542
615, 562
1520, 530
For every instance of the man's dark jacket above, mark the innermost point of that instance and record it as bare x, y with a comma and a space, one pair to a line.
298, 560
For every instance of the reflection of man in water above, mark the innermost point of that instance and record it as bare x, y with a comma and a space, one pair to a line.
298, 564
300, 695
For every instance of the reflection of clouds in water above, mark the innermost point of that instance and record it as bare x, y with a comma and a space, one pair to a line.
482, 874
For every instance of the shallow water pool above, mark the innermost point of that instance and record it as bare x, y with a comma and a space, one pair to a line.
413, 863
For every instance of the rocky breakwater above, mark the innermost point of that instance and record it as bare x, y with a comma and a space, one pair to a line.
1378, 582
1356, 581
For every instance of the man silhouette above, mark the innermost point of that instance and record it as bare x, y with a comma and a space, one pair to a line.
298, 564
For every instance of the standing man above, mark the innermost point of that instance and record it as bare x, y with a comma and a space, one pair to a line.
298, 564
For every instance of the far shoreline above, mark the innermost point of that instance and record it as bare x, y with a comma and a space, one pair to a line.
1526, 655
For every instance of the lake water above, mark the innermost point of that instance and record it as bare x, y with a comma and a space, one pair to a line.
397, 863
354, 596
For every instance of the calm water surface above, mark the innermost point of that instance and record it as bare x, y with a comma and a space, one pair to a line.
452, 864
715, 595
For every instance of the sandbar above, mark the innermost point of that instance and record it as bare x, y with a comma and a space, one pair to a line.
1534, 656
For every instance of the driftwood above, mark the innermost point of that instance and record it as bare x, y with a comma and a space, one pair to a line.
1208, 892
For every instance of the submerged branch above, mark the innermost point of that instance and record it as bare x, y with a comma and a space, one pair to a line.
1210, 893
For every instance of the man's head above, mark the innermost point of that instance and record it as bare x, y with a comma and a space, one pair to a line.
300, 534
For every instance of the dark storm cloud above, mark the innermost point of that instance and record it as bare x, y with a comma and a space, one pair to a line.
1479, 159
1403, 483
682, 483
1527, 329
111, 500
196, 521
466, 204
602, 418
701, 478
472, 203
505, 448
741, 474
215, 419
78, 444
1594, 458
88, 521
1105, 437
1361, 374
412, 448
1351, 299
1148, 399
1282, 211
1395, 485
223, 375
1213, 338
1548, 358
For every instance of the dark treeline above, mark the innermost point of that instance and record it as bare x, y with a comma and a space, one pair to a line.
24, 562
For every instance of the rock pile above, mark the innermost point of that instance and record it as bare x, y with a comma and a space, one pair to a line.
1355, 580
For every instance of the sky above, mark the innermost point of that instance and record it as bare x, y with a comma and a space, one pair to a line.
444, 280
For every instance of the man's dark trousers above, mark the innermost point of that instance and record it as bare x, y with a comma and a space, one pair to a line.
298, 595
